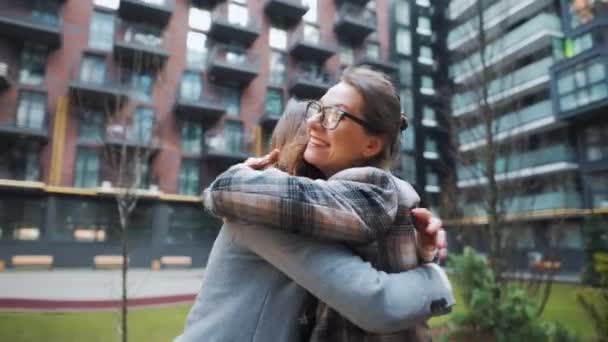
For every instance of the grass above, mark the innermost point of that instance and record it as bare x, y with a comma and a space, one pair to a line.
163, 324
562, 307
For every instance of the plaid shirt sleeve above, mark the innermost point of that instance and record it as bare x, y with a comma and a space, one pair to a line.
354, 205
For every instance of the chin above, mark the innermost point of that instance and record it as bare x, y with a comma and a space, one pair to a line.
313, 158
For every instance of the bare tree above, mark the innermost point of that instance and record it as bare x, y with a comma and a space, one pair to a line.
481, 120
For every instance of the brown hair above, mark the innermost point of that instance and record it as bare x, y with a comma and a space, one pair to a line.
381, 109
290, 137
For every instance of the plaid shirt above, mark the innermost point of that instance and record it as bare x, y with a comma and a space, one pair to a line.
366, 208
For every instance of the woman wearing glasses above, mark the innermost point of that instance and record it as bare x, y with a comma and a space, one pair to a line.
357, 123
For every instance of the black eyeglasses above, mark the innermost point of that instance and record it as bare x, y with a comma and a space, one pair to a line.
330, 116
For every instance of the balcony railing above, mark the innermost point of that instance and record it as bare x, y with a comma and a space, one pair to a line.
377, 60
226, 28
120, 135
207, 106
232, 64
496, 17
23, 23
306, 43
97, 87
140, 44
354, 22
157, 12
32, 127
564, 199
225, 149
518, 82
533, 36
310, 83
520, 165
529, 118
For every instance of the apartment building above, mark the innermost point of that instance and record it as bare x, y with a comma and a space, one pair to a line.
196, 85
543, 89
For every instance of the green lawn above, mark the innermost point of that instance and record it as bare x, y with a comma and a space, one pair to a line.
162, 324
562, 307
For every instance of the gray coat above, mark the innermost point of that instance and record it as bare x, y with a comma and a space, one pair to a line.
252, 299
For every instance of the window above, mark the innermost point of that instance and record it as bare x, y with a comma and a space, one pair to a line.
233, 132
274, 102
598, 184
31, 111
191, 86
141, 84
407, 103
91, 126
408, 168
424, 26
189, 177
199, 19
111, 4
346, 55
596, 142
311, 15
426, 55
238, 14
93, 69
432, 180
429, 117
87, 168
402, 12
404, 42
20, 161
427, 86
143, 125
33, 59
196, 54
190, 224
430, 148
278, 67
585, 84
372, 50
101, 31
21, 219
232, 98
312, 34
192, 137
277, 38
563, 235
405, 72
408, 139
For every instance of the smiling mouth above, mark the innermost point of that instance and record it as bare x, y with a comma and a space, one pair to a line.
316, 142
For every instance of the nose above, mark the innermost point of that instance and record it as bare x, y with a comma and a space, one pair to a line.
314, 122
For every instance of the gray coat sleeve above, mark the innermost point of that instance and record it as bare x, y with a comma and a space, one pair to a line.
371, 299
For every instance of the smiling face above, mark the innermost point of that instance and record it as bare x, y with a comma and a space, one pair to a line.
348, 145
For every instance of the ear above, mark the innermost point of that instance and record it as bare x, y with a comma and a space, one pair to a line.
373, 146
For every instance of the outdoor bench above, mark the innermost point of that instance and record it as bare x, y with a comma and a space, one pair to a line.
108, 261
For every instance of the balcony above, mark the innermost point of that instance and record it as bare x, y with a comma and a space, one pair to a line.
206, 106
551, 200
309, 83
5, 78
140, 47
118, 136
528, 120
528, 39
97, 88
287, 12
232, 65
22, 23
526, 80
238, 29
496, 17
377, 60
224, 150
354, 23
29, 128
210, 4
156, 12
305, 43
551, 159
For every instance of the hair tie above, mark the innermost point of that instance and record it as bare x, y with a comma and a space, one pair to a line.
404, 124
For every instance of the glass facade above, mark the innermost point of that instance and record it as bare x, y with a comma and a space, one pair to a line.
583, 85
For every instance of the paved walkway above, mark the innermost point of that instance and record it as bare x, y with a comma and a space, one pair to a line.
81, 289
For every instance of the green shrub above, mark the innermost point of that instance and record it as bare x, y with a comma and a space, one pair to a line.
502, 311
